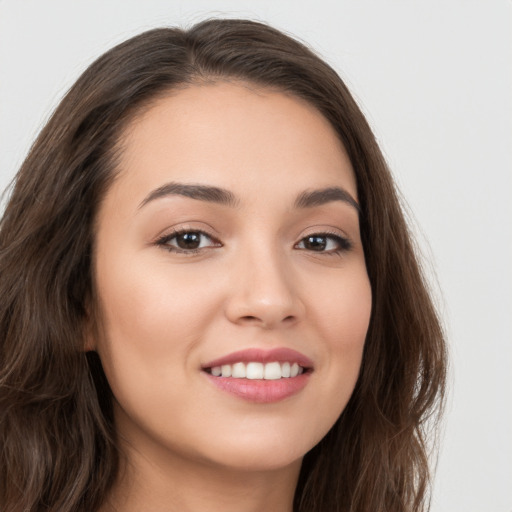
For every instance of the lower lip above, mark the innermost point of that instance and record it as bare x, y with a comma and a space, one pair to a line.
261, 391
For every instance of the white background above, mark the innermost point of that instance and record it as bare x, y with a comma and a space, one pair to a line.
435, 80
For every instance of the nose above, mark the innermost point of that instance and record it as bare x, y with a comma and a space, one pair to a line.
264, 293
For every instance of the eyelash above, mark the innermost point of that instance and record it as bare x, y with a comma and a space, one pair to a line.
344, 244
164, 241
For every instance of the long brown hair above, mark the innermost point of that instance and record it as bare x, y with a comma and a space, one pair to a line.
58, 445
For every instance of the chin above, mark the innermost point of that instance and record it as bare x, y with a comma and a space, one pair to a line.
253, 460
256, 452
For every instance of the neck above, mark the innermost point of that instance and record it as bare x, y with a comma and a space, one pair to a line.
167, 483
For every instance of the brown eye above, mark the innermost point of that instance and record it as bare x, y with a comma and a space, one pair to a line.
190, 240
327, 243
187, 241
315, 243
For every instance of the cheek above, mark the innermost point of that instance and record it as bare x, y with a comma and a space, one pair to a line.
343, 317
151, 322
343, 311
348, 325
150, 307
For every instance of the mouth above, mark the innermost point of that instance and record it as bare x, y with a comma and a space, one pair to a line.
261, 376
254, 370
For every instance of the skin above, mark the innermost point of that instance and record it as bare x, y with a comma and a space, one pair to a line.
255, 283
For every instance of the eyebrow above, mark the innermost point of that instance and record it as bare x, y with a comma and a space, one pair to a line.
306, 199
200, 192
311, 198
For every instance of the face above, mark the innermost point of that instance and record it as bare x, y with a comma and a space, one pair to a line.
233, 294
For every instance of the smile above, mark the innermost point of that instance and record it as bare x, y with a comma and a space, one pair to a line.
256, 370
260, 376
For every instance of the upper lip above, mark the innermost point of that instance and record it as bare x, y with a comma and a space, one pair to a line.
281, 355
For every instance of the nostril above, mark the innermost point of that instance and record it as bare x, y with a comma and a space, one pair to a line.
267, 322
250, 318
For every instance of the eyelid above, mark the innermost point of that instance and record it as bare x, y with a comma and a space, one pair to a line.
344, 241
325, 230
184, 226
168, 235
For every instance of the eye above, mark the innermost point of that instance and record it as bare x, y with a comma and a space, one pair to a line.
325, 242
187, 241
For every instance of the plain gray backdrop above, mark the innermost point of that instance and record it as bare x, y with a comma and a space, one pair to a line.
435, 80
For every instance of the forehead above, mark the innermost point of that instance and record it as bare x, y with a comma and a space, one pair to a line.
234, 135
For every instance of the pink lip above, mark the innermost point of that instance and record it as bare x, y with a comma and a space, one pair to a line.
280, 355
260, 390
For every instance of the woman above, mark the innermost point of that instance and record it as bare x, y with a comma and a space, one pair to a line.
210, 299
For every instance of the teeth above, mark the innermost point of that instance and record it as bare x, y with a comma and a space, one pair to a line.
254, 370
273, 371
238, 371
225, 370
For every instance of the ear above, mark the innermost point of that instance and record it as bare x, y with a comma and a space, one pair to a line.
90, 330
89, 344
